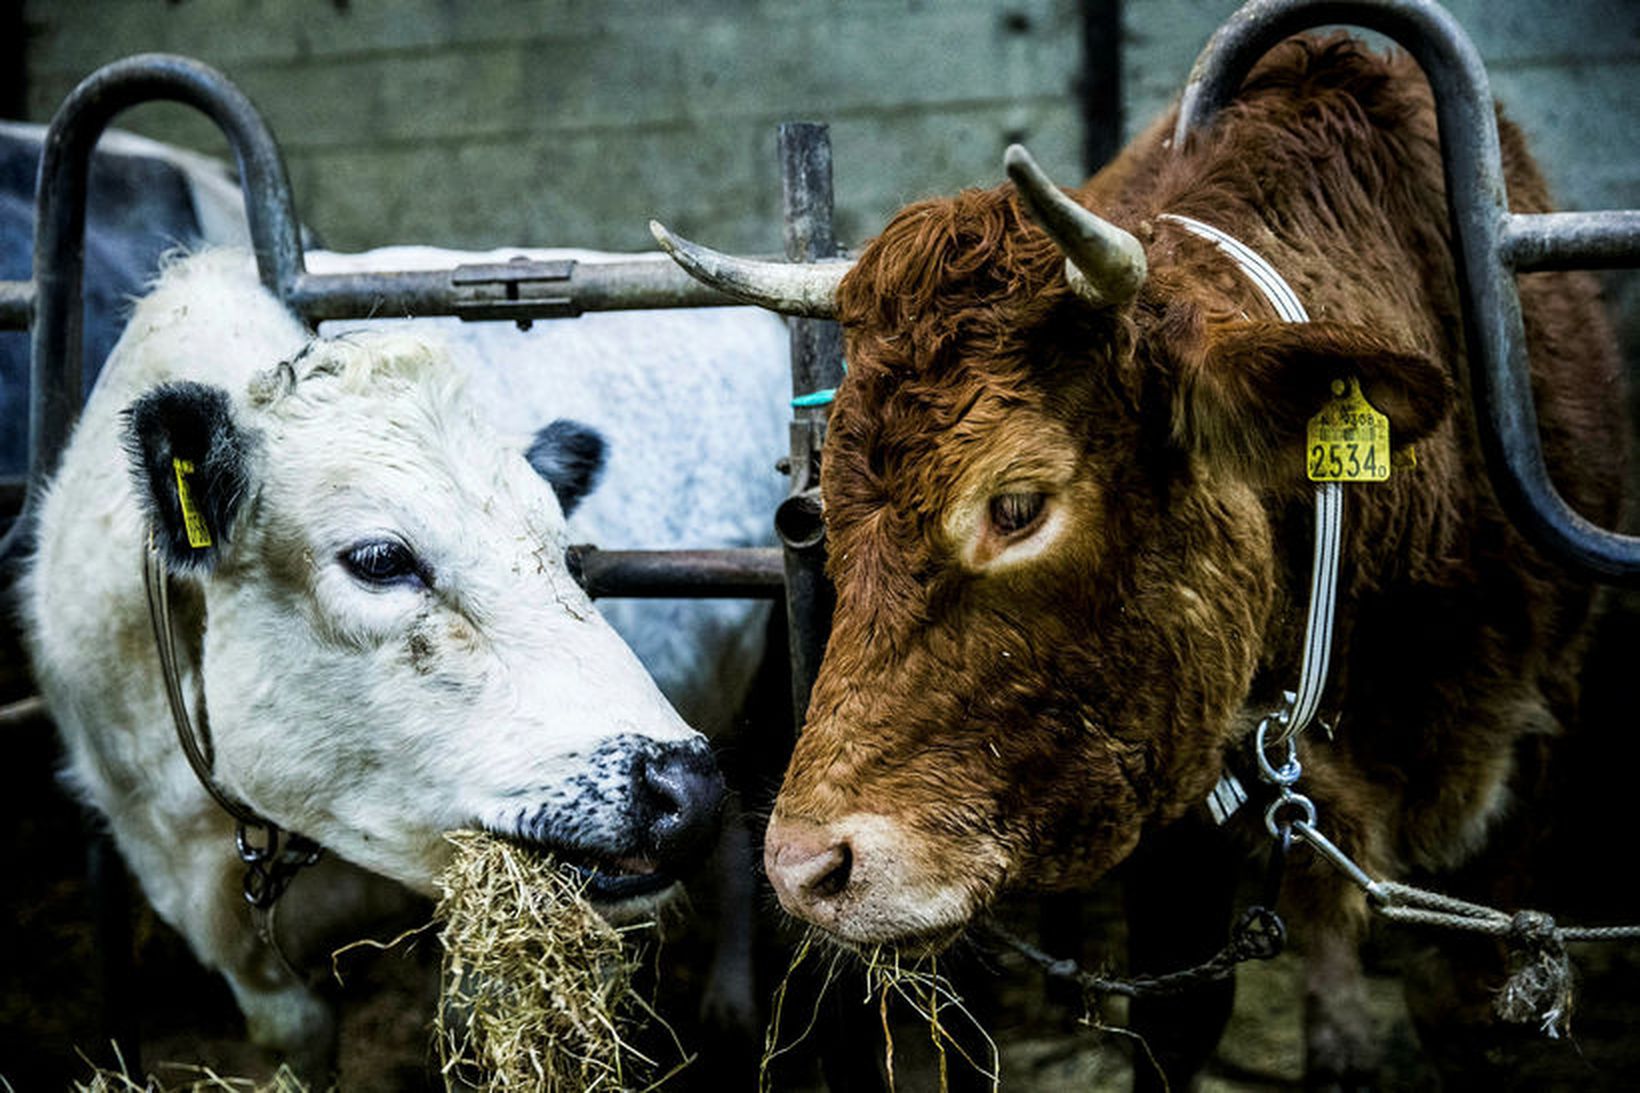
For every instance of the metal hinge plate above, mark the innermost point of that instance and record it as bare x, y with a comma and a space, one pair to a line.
518, 290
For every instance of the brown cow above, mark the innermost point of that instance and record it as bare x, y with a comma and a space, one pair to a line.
1070, 528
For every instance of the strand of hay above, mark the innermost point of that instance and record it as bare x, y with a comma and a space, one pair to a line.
887, 976
201, 1079
920, 985
537, 985
772, 1047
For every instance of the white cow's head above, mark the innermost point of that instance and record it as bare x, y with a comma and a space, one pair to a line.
393, 646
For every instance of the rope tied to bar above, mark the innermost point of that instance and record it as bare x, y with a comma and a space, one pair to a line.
1540, 987
1540, 984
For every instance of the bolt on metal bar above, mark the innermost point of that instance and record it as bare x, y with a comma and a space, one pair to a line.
573, 289
1492, 244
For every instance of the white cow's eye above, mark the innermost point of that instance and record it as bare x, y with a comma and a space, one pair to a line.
1012, 513
384, 562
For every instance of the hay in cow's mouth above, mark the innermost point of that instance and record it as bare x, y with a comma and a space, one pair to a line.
537, 983
615, 880
605, 878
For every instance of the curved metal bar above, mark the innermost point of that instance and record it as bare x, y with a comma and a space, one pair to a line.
59, 232
1488, 240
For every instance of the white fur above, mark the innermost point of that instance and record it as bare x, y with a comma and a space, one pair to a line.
375, 719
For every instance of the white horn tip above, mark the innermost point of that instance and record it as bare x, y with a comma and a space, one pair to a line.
663, 237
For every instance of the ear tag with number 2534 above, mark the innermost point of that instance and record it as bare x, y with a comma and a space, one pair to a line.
1348, 441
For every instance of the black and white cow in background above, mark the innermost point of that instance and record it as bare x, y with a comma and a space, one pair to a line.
143, 199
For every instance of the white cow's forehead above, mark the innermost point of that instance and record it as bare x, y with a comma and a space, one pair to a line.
378, 429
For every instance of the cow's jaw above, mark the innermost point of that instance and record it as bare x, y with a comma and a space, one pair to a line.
620, 888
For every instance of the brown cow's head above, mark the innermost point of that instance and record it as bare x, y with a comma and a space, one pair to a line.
1050, 529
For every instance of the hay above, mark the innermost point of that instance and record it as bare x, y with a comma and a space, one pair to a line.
536, 989
888, 976
537, 985
196, 1079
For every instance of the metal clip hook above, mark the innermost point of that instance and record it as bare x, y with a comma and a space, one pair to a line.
1288, 772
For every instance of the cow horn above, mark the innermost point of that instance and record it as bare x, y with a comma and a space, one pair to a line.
791, 288
1104, 264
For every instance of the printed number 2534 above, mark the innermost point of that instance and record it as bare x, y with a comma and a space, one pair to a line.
1341, 461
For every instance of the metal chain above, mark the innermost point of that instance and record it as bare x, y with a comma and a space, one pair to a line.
1259, 934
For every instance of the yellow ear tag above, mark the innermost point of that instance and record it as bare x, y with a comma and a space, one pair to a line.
1348, 441
199, 535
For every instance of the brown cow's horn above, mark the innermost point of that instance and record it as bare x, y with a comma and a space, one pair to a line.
791, 288
1104, 264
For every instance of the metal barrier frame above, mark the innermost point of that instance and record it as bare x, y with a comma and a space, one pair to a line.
520, 291
1492, 244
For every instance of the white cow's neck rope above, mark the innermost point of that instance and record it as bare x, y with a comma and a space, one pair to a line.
269, 866
1291, 719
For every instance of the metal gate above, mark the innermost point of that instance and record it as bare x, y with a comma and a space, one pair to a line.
1491, 244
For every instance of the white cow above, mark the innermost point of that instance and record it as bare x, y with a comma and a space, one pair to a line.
382, 634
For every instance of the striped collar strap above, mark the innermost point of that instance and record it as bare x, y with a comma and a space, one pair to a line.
1329, 510
1274, 287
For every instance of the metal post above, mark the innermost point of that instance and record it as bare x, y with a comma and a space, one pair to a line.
817, 364
1491, 244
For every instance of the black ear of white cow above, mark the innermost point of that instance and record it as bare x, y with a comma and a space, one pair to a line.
570, 456
189, 462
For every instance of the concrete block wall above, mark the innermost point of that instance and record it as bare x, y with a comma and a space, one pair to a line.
487, 122
1567, 73
482, 122
571, 122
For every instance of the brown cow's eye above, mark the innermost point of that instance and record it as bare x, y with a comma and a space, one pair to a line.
1012, 513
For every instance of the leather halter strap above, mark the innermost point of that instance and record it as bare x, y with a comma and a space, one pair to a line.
269, 866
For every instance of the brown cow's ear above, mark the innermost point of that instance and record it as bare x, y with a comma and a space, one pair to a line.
1247, 390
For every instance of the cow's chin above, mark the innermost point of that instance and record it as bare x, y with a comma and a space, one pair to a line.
915, 944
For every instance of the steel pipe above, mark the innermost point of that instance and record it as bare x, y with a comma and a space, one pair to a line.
1488, 240
817, 364
742, 573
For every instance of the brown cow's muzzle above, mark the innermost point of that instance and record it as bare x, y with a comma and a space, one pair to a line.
870, 880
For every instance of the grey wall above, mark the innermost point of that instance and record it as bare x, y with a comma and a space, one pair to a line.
478, 122
1568, 73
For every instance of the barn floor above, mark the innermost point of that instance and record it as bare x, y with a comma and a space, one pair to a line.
50, 1008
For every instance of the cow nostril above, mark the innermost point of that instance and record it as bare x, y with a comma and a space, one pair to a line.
833, 881
680, 792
